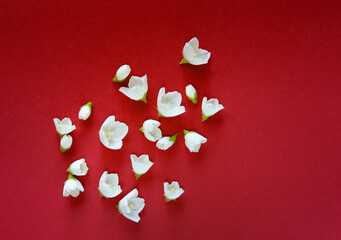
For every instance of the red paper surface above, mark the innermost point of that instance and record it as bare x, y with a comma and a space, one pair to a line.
271, 166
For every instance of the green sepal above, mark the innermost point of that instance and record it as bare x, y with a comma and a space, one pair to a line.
186, 131
116, 80
204, 117
173, 138
195, 99
118, 208
100, 194
89, 104
183, 61
144, 99
60, 135
167, 199
159, 114
138, 175
64, 149
141, 129
71, 177
68, 170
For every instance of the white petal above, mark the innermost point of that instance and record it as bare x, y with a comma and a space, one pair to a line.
112, 132
84, 113
211, 106
138, 204
66, 142
108, 185
193, 141
188, 52
190, 91
201, 58
137, 88
133, 216
151, 130
169, 104
194, 42
123, 72
164, 143
79, 168
173, 190
140, 164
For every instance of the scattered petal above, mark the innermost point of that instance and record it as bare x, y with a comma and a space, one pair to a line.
210, 107
151, 130
65, 143
78, 168
172, 191
122, 73
72, 187
130, 206
169, 104
140, 164
166, 142
85, 111
108, 185
193, 140
112, 133
193, 54
137, 88
191, 93
64, 127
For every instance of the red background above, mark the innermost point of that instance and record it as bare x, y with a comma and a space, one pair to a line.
271, 166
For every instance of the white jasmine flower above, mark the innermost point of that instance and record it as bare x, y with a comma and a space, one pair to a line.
151, 130
168, 104
64, 127
166, 142
108, 185
140, 164
112, 132
193, 140
137, 88
85, 111
122, 73
193, 54
65, 143
191, 93
72, 187
172, 191
78, 168
130, 206
210, 107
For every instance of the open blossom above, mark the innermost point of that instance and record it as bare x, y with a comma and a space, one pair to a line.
108, 185
85, 111
131, 205
72, 187
210, 107
64, 127
151, 130
191, 93
78, 168
193, 54
112, 132
122, 73
193, 140
140, 164
168, 104
137, 88
166, 142
65, 143
172, 191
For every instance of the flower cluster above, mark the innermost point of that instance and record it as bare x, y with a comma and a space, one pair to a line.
112, 133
